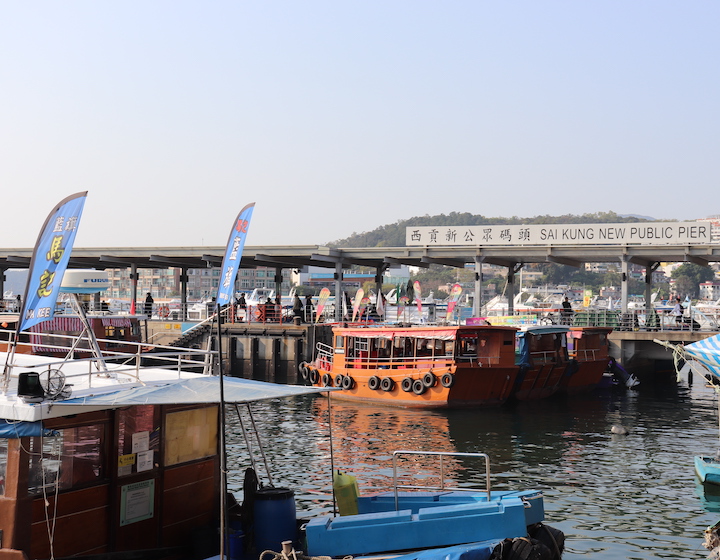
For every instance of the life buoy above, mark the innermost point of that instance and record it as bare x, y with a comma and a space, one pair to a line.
387, 384
429, 379
348, 382
326, 380
374, 382
447, 380
313, 375
338, 380
406, 384
418, 387
163, 311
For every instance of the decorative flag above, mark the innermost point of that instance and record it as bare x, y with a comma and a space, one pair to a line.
233, 254
322, 300
49, 261
356, 302
418, 298
380, 305
455, 294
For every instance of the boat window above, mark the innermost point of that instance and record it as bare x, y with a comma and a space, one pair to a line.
138, 439
71, 459
3, 463
339, 342
190, 435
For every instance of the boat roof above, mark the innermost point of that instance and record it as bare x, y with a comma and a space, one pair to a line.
126, 385
448, 332
543, 329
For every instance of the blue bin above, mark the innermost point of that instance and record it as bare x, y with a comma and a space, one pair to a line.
236, 544
274, 518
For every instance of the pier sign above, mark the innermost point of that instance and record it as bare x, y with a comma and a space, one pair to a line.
644, 233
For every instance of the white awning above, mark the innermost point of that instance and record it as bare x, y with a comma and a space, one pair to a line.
198, 390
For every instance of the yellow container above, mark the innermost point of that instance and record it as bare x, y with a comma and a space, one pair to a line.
346, 493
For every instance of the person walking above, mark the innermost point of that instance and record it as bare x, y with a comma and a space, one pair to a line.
149, 304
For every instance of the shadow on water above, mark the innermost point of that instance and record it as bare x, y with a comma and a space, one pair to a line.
614, 496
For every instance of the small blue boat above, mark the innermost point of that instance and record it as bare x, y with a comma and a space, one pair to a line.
398, 520
707, 469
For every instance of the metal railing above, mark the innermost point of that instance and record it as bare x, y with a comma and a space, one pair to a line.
442, 486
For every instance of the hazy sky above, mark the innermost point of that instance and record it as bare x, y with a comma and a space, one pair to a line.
336, 117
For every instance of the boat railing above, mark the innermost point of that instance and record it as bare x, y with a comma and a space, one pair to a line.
544, 357
590, 354
126, 363
442, 486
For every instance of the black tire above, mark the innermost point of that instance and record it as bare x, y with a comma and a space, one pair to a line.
447, 380
418, 387
429, 379
529, 549
374, 382
338, 380
348, 383
553, 538
313, 375
387, 384
302, 369
326, 380
406, 384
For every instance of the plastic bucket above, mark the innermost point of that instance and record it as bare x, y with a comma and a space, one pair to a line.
274, 518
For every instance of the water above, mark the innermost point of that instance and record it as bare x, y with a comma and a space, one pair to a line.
614, 496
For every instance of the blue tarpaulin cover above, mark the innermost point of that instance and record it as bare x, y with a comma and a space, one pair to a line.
12, 430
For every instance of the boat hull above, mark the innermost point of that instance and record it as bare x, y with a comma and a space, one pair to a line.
707, 469
426, 521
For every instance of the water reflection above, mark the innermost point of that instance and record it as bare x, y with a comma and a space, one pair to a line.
632, 496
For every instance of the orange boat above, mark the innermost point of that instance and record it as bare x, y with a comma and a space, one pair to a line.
589, 347
419, 366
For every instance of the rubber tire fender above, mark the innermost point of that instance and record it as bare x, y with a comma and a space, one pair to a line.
374, 382
326, 380
447, 380
429, 379
387, 384
348, 382
302, 370
313, 375
339, 380
407, 384
418, 387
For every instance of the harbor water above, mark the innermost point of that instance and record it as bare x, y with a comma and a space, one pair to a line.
631, 496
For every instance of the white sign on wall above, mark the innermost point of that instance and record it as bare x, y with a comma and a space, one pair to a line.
645, 233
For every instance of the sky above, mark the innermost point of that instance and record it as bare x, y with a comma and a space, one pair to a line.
339, 117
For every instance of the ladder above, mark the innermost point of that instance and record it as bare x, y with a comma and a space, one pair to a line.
252, 439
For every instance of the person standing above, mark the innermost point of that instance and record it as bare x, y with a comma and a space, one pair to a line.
149, 304
308, 309
677, 312
297, 307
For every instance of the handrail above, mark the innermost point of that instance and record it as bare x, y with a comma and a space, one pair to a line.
442, 486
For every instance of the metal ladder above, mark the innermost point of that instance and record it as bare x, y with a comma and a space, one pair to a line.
249, 430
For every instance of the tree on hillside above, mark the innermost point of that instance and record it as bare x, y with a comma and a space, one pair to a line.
689, 276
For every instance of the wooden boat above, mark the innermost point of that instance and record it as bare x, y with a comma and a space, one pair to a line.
588, 348
543, 360
419, 366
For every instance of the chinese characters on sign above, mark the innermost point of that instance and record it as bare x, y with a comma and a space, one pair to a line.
645, 233
233, 254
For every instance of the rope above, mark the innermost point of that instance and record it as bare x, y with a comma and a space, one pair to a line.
294, 555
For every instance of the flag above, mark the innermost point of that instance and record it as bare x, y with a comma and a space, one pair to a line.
322, 300
49, 261
380, 305
356, 302
233, 254
455, 294
418, 298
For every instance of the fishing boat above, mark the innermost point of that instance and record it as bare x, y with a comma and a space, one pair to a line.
543, 359
588, 348
417, 366
701, 358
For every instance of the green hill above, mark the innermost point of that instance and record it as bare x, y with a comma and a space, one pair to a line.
393, 235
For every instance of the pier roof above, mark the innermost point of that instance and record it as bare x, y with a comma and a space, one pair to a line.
296, 256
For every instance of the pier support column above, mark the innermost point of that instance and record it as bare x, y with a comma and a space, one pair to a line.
649, 269
2, 281
624, 284
338, 291
379, 274
510, 290
477, 298
183, 293
133, 285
